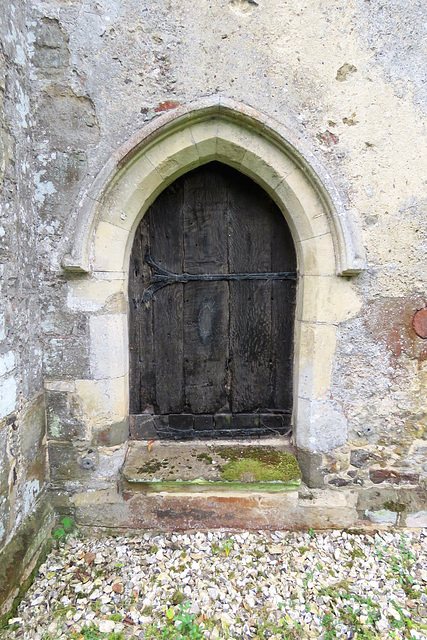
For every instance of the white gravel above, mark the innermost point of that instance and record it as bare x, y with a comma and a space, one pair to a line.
277, 586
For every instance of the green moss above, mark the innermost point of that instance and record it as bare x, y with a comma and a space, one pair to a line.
205, 457
258, 464
397, 507
151, 466
178, 598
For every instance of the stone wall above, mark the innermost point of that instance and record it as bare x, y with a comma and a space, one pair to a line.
354, 96
23, 472
79, 80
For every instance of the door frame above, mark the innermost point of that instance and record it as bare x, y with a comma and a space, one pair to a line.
326, 233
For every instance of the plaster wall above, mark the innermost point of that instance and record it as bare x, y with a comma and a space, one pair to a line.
347, 79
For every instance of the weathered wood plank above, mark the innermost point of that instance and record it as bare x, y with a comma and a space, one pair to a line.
206, 303
166, 246
141, 341
283, 258
250, 304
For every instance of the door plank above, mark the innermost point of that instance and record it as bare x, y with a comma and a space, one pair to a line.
283, 258
250, 304
141, 340
206, 303
167, 252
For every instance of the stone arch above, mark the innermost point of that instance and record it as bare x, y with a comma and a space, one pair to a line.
327, 239
240, 136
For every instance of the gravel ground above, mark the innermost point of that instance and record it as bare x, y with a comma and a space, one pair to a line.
219, 585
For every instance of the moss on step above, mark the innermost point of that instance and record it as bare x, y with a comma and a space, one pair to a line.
258, 464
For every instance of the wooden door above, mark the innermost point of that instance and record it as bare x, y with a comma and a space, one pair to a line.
212, 297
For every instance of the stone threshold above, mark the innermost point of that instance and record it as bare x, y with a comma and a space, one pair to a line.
257, 465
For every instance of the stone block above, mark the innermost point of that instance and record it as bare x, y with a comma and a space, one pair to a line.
51, 46
265, 163
136, 191
18, 558
93, 295
110, 248
315, 346
66, 357
393, 476
112, 435
359, 458
59, 324
396, 498
328, 299
339, 482
103, 402
418, 519
174, 156
110, 461
69, 119
63, 463
205, 136
311, 468
317, 256
63, 416
316, 222
165, 511
321, 425
108, 349
382, 517
32, 428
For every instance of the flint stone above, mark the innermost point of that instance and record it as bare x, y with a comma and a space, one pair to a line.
359, 458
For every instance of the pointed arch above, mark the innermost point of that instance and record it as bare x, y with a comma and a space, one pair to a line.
237, 135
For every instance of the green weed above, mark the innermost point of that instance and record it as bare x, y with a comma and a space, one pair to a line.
60, 535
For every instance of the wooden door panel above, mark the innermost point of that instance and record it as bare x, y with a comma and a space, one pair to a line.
142, 381
204, 216
206, 346
212, 357
250, 303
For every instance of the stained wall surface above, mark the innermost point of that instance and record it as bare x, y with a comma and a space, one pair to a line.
23, 470
78, 79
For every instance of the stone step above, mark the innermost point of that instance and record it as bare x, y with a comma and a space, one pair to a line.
205, 485
199, 466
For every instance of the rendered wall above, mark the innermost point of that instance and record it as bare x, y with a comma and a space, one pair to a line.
352, 94
348, 79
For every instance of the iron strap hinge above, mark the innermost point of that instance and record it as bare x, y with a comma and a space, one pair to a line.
162, 278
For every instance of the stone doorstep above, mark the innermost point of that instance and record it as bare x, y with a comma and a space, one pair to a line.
231, 510
195, 466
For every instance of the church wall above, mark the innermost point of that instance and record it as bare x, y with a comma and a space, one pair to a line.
351, 93
348, 79
24, 516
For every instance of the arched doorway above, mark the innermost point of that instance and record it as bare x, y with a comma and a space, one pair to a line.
212, 285
326, 233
